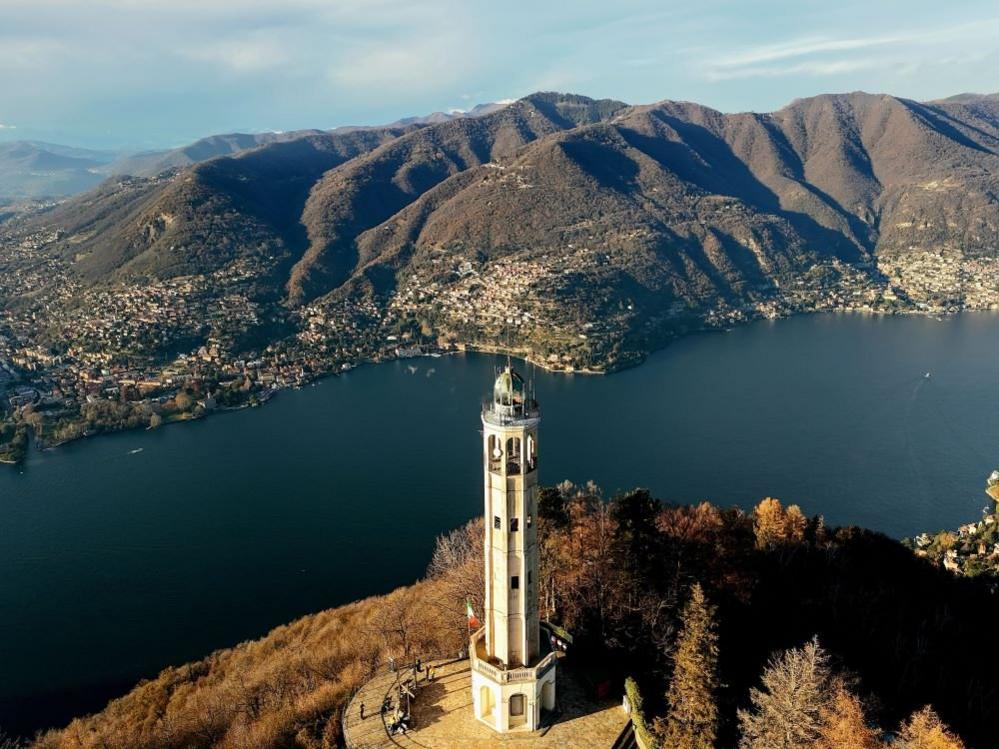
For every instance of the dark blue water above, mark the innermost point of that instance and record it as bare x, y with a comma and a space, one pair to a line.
114, 564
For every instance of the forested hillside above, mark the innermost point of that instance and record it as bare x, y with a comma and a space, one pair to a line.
818, 630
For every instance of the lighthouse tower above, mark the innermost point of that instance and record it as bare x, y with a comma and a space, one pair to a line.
513, 672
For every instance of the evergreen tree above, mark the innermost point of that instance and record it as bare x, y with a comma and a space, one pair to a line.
925, 730
787, 713
844, 725
692, 715
552, 506
636, 536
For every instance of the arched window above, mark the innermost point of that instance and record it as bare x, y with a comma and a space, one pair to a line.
513, 456
532, 454
495, 450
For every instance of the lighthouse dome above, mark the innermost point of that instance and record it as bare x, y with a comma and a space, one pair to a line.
509, 388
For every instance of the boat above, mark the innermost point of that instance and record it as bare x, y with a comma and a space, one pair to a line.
926, 376
136, 450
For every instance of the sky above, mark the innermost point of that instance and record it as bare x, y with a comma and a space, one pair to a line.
135, 74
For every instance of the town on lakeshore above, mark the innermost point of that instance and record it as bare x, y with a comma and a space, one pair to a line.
76, 361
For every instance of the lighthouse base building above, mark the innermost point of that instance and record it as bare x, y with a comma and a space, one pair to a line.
512, 700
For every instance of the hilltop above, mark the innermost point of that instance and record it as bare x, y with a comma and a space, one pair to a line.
898, 632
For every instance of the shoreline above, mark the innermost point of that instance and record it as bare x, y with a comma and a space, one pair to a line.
266, 395
463, 368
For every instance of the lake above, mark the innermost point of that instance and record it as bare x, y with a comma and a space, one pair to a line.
123, 554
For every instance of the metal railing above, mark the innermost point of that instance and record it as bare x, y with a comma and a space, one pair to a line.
502, 414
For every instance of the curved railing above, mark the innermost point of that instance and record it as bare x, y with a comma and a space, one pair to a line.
503, 415
477, 655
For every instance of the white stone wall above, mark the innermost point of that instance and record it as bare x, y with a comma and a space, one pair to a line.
492, 700
511, 615
508, 694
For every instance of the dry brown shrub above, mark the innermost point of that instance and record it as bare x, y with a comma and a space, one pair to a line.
288, 688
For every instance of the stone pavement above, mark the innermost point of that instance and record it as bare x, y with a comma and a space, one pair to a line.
442, 717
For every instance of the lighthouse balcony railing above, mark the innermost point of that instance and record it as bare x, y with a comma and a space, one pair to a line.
500, 674
503, 414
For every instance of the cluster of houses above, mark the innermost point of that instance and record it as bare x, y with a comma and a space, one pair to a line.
517, 297
973, 550
935, 280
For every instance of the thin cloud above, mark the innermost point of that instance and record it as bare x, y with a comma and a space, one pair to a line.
803, 48
241, 56
791, 57
816, 68
7, 127
407, 64
29, 53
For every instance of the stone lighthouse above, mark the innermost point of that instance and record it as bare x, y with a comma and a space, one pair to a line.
513, 672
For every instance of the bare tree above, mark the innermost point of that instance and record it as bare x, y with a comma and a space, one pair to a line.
8, 742
788, 712
457, 570
925, 730
457, 549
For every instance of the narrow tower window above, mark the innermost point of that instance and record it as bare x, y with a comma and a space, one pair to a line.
516, 704
514, 525
515, 582
497, 523
513, 456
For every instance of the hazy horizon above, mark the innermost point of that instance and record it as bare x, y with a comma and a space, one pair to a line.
136, 75
11, 135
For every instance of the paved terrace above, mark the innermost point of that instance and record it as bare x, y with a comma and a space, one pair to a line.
442, 717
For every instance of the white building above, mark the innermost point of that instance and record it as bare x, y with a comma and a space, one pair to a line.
513, 672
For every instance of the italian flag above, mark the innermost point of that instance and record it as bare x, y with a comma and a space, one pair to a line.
473, 622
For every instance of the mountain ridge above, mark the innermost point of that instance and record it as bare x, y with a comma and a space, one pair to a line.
670, 213
35, 169
60, 180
